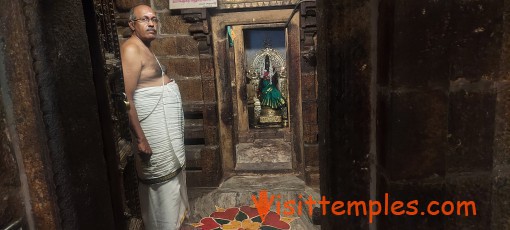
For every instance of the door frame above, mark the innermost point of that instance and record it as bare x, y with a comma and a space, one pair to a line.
226, 85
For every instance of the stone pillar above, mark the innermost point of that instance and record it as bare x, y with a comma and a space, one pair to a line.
442, 112
210, 161
27, 185
344, 76
67, 105
474, 55
413, 106
500, 194
308, 24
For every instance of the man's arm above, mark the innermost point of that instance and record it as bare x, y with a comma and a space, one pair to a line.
131, 69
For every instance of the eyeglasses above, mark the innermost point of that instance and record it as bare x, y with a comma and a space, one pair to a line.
146, 20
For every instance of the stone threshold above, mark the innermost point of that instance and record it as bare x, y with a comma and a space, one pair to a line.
237, 191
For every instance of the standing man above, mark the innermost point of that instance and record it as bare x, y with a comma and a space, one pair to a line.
157, 122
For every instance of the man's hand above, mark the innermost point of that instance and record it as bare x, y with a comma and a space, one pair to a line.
144, 147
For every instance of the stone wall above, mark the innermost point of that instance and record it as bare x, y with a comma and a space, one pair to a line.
70, 110
309, 92
441, 107
344, 76
50, 112
11, 207
236, 4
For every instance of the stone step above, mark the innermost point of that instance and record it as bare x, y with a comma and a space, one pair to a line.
264, 155
238, 190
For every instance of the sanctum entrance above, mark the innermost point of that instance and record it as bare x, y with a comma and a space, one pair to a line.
258, 48
263, 134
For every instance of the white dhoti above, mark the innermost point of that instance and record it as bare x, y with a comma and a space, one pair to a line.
165, 205
163, 195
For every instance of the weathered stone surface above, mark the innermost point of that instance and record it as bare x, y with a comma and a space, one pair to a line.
306, 68
309, 112
164, 46
416, 50
69, 107
191, 89
471, 131
269, 134
193, 128
23, 139
210, 115
210, 163
504, 73
125, 5
186, 45
418, 137
310, 133
237, 191
502, 125
210, 135
311, 152
160, 5
172, 24
343, 50
308, 87
235, 4
475, 34
475, 187
312, 176
207, 67
209, 90
182, 67
263, 155
193, 155
11, 206
245, 137
500, 199
423, 191
441, 124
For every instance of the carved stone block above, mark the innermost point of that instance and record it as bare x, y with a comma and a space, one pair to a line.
165, 46
191, 89
182, 67
206, 67
308, 87
125, 5
210, 115
310, 112
171, 24
310, 132
311, 153
210, 135
208, 86
187, 46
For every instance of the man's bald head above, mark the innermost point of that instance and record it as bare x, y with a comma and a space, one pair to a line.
143, 22
135, 9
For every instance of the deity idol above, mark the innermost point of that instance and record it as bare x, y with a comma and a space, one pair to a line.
270, 95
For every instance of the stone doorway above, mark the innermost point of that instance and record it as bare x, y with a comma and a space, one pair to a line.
263, 133
257, 54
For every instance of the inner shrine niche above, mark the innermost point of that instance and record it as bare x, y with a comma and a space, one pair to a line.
266, 83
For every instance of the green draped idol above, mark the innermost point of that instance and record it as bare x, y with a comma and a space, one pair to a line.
270, 95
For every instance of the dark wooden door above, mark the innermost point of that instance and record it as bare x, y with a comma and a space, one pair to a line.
105, 54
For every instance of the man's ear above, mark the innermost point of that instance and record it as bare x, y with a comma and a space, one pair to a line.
131, 25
